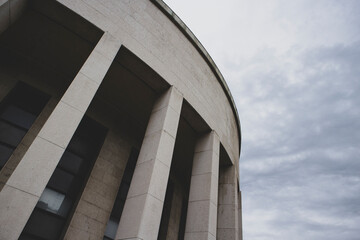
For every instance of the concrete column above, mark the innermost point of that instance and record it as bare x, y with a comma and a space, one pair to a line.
202, 207
143, 207
227, 225
95, 205
25, 186
240, 229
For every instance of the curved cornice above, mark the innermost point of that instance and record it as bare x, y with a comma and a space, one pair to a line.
206, 56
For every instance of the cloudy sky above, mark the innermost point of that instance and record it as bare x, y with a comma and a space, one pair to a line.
293, 67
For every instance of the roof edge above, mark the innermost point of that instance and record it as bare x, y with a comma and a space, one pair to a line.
206, 56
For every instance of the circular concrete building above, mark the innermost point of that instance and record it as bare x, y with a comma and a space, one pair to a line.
115, 123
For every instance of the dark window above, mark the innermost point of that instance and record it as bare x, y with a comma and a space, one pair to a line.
118, 207
5, 153
56, 204
43, 225
71, 162
165, 217
61, 180
184, 208
18, 112
18, 116
11, 134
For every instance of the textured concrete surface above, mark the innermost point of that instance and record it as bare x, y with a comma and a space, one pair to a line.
203, 198
143, 207
227, 222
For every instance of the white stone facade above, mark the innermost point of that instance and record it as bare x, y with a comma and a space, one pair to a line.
134, 69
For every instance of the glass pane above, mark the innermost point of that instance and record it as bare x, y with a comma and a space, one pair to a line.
111, 228
44, 225
5, 153
70, 162
87, 138
117, 209
51, 200
28, 98
10, 134
120, 200
80, 145
123, 191
18, 116
55, 202
26, 237
65, 207
127, 176
61, 180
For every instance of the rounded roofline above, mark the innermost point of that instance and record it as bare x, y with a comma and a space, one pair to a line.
206, 56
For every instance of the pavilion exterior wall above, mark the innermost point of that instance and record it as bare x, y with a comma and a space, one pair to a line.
149, 34
143, 29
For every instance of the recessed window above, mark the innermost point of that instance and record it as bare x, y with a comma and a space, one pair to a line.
10, 134
118, 207
57, 202
51, 200
111, 228
71, 162
54, 202
18, 112
5, 153
61, 180
18, 116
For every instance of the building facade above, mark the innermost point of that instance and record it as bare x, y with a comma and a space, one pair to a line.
115, 123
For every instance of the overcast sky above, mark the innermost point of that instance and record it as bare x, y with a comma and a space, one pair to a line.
293, 67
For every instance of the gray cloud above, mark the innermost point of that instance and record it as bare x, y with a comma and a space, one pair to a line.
302, 165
